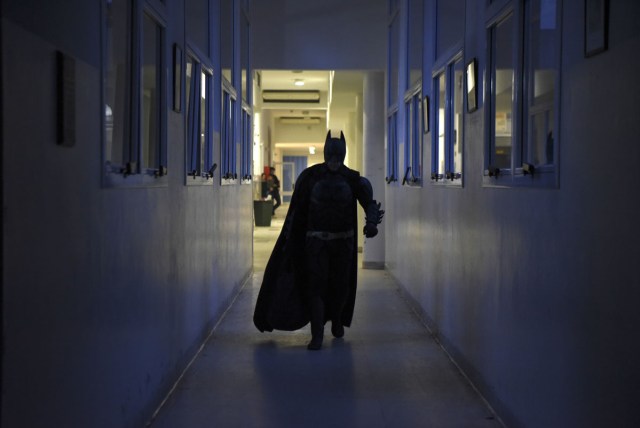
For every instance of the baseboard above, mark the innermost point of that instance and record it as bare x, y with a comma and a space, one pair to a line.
500, 412
197, 349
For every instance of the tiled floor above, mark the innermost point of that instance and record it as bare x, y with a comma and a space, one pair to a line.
386, 372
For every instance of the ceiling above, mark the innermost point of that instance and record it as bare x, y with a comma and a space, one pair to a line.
284, 79
332, 87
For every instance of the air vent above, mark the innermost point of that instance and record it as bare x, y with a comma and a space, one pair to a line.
283, 96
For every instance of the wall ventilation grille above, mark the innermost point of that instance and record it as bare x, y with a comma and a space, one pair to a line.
284, 96
290, 120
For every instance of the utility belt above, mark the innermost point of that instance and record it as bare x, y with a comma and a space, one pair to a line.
330, 236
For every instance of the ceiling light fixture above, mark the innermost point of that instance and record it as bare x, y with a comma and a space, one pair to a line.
298, 82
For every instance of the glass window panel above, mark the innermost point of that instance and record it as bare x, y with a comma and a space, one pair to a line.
415, 41
441, 86
116, 109
541, 138
541, 68
503, 62
522, 107
409, 138
392, 148
232, 138
150, 103
450, 24
457, 116
228, 136
208, 123
204, 111
188, 79
416, 158
199, 138
192, 109
246, 144
225, 135
226, 43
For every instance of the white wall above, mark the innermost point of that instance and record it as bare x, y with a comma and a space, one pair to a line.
107, 292
313, 134
319, 34
535, 291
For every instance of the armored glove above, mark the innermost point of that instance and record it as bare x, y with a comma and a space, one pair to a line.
370, 230
373, 218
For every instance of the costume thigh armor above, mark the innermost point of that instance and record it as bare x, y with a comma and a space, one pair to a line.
328, 262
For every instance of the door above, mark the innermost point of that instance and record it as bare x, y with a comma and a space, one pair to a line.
292, 166
288, 180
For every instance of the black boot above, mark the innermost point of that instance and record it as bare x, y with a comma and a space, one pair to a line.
337, 329
317, 324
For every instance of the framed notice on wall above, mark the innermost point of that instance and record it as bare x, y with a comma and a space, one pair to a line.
596, 26
177, 78
425, 114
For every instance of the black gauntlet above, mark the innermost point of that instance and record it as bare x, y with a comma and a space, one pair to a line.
373, 213
373, 218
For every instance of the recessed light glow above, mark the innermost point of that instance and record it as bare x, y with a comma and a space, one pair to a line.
298, 82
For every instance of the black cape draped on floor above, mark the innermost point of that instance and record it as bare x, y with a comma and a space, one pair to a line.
281, 303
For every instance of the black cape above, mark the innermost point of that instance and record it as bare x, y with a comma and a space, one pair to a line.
281, 303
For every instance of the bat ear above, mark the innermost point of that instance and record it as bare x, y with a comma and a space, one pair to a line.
342, 138
328, 136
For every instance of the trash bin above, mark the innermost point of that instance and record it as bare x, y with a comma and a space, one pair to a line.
262, 211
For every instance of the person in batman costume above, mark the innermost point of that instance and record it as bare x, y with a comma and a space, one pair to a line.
311, 275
